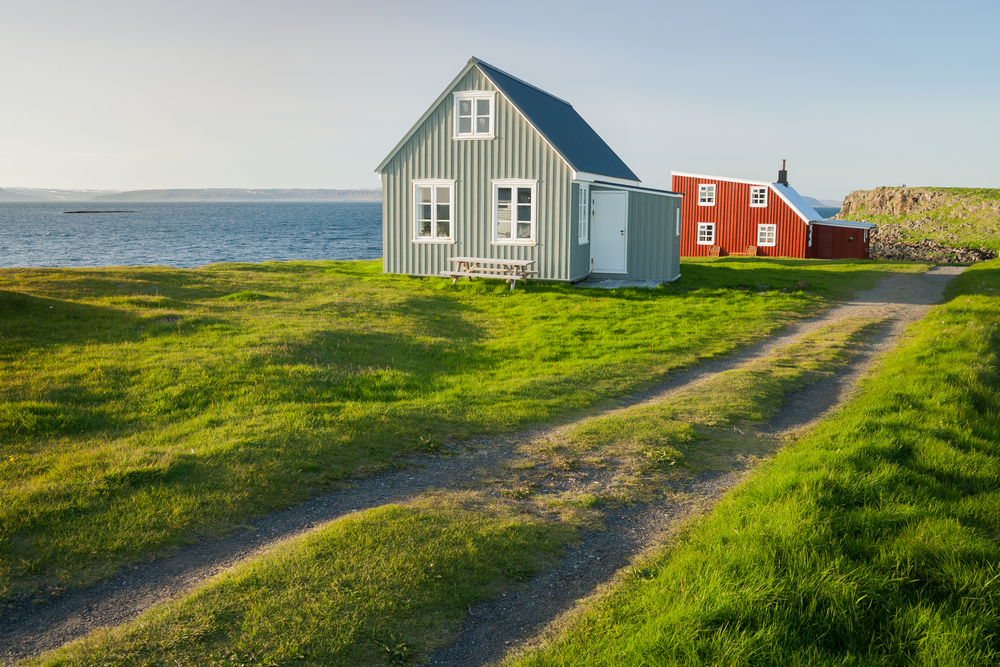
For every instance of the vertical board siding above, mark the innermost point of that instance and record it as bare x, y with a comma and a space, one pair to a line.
736, 222
842, 247
652, 248
516, 151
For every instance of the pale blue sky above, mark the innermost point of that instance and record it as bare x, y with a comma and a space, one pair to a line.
134, 94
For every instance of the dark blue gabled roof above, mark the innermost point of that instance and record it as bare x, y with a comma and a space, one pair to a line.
561, 125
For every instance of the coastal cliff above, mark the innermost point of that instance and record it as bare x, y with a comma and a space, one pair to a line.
929, 224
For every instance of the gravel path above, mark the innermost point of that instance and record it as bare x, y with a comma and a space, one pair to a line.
516, 619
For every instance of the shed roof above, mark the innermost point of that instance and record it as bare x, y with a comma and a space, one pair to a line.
553, 118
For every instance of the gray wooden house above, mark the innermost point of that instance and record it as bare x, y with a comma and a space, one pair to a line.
497, 168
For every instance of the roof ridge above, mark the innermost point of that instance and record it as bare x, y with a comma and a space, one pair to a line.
477, 61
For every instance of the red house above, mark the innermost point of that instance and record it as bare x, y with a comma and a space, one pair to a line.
729, 216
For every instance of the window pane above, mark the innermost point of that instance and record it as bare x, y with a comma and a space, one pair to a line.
425, 211
465, 126
503, 229
424, 196
523, 213
503, 194
503, 214
465, 107
444, 195
443, 212
443, 229
482, 125
523, 230
482, 107
524, 195
425, 228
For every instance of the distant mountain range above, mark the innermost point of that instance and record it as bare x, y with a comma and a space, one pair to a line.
825, 203
207, 194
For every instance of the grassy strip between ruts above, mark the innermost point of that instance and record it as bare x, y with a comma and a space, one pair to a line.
378, 587
143, 407
391, 584
707, 427
870, 542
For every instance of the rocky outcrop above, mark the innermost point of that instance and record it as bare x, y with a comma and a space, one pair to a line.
886, 245
928, 224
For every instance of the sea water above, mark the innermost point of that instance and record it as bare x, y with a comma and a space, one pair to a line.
186, 234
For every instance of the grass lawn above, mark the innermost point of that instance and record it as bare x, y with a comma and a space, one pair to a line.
872, 541
392, 584
144, 407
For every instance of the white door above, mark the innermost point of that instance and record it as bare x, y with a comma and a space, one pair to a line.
609, 232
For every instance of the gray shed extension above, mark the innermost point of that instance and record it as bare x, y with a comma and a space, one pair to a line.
497, 168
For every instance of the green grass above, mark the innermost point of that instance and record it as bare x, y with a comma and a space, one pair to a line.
966, 217
473, 547
144, 407
710, 426
873, 541
383, 586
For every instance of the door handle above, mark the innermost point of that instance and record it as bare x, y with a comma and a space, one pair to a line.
623, 232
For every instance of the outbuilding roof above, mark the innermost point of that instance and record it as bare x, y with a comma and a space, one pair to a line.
555, 119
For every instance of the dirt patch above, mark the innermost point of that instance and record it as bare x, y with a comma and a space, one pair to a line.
519, 618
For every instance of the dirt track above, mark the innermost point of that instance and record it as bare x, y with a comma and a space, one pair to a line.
496, 627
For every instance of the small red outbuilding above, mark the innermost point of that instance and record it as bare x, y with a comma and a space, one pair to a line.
732, 216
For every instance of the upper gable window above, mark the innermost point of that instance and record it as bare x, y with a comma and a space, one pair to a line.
706, 194
758, 197
474, 113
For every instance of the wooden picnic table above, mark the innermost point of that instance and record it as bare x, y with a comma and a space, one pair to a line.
510, 270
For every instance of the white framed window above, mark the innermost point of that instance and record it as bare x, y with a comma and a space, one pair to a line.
758, 197
767, 234
583, 234
677, 231
474, 114
706, 194
515, 209
706, 233
433, 211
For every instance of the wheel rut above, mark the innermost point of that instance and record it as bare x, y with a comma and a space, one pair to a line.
519, 618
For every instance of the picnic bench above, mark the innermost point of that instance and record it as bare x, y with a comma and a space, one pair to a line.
510, 270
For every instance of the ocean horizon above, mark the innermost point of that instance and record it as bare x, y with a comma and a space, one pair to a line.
185, 234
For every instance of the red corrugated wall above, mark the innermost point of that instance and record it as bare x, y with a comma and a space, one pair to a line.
735, 221
831, 242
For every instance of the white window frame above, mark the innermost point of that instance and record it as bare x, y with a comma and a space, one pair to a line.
583, 230
475, 95
515, 183
774, 235
760, 194
433, 184
677, 231
706, 194
708, 227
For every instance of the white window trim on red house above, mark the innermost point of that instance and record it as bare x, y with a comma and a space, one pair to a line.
706, 194
758, 197
709, 233
762, 234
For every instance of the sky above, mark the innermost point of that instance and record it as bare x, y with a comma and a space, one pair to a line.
303, 94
